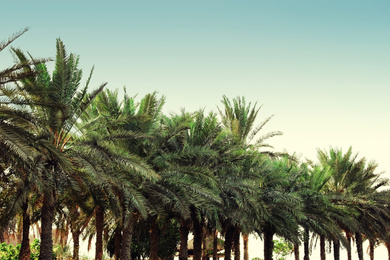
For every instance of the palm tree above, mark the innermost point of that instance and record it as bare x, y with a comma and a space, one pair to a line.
57, 104
356, 184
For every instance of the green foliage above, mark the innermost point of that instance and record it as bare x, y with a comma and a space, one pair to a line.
11, 252
282, 249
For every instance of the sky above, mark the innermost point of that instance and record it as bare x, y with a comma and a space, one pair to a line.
322, 68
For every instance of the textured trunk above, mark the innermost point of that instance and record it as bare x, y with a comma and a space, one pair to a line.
336, 249
125, 251
198, 235
268, 244
322, 247
154, 239
215, 245
372, 248
25, 247
245, 239
99, 218
349, 248
184, 230
236, 239
359, 245
228, 243
117, 242
205, 254
306, 238
296, 251
76, 244
48, 210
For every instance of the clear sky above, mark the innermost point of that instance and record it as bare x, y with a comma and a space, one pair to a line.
321, 67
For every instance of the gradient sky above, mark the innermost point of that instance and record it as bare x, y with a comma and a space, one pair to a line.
321, 67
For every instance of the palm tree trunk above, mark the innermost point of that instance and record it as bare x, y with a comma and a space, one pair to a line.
228, 242
236, 239
76, 243
99, 218
25, 247
154, 239
198, 235
205, 255
336, 249
322, 247
215, 245
359, 245
125, 253
48, 210
306, 238
117, 242
184, 230
372, 248
268, 244
296, 251
245, 239
349, 240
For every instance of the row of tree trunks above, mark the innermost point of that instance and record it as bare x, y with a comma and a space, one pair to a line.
76, 243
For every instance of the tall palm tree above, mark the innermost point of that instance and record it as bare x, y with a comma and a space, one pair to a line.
57, 102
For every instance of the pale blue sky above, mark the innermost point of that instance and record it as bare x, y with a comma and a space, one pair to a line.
322, 67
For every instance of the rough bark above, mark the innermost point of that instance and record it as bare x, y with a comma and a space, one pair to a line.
198, 236
359, 245
306, 238
184, 230
125, 250
336, 249
215, 245
296, 251
76, 244
117, 242
322, 248
154, 239
245, 239
48, 210
236, 239
349, 250
268, 244
205, 255
228, 243
99, 218
372, 248
25, 247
